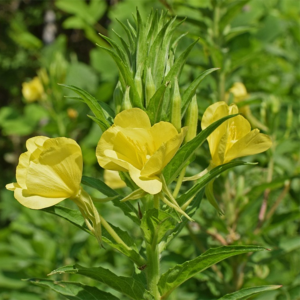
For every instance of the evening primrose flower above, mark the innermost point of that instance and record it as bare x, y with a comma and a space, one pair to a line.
239, 92
50, 172
132, 145
32, 90
234, 138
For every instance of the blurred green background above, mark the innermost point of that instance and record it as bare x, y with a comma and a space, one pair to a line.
254, 42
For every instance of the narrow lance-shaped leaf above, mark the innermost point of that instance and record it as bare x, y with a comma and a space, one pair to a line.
125, 285
73, 290
75, 217
191, 90
210, 175
179, 63
92, 104
245, 293
185, 153
127, 77
180, 273
154, 108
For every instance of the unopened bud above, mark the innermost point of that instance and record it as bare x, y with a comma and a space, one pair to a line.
176, 107
126, 104
138, 82
118, 97
150, 86
192, 120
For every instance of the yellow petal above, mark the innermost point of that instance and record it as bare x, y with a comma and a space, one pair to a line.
132, 118
253, 143
57, 171
33, 143
35, 202
150, 185
113, 179
213, 113
162, 132
12, 186
22, 168
163, 155
239, 91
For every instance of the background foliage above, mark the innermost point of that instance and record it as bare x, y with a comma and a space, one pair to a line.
254, 42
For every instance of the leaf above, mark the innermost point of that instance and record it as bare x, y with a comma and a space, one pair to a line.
92, 104
191, 209
75, 217
232, 10
210, 175
249, 292
127, 77
191, 90
154, 108
128, 209
73, 290
155, 224
185, 153
180, 273
125, 285
178, 64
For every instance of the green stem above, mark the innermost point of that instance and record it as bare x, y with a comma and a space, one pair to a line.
112, 233
153, 267
179, 183
156, 201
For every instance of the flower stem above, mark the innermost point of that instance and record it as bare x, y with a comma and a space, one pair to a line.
179, 183
153, 267
156, 201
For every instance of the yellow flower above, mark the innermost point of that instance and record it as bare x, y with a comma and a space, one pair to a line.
33, 90
72, 113
132, 145
234, 137
239, 92
49, 172
113, 179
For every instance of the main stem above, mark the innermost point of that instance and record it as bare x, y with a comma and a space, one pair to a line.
153, 269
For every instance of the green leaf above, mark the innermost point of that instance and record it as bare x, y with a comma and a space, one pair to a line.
185, 153
126, 285
154, 108
232, 10
128, 209
210, 175
178, 64
156, 224
191, 90
75, 217
92, 104
126, 77
73, 290
191, 209
242, 294
180, 273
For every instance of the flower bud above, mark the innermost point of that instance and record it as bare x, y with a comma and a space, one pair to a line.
192, 120
126, 104
118, 97
138, 82
150, 86
176, 107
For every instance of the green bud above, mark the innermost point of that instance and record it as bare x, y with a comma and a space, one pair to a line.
176, 107
118, 97
150, 86
192, 120
126, 104
275, 104
138, 82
